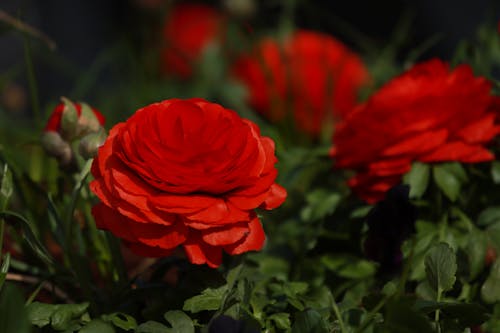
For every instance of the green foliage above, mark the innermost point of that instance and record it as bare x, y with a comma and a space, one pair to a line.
441, 267
450, 177
313, 274
60, 317
13, 316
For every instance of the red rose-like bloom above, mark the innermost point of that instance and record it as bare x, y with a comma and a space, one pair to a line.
188, 29
54, 122
186, 173
314, 71
428, 114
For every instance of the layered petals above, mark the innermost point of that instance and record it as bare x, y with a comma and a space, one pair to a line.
311, 73
429, 114
186, 173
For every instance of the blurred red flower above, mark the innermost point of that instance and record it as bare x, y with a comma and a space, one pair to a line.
313, 74
189, 28
186, 173
428, 114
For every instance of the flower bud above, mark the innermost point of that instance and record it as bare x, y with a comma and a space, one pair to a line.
74, 120
71, 122
240, 8
56, 147
90, 143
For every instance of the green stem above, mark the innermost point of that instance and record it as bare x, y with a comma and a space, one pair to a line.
35, 103
436, 315
336, 310
406, 269
371, 315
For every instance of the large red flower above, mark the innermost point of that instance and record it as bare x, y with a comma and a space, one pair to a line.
312, 73
189, 28
186, 173
429, 114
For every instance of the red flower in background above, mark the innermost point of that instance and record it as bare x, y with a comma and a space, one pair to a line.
427, 114
186, 173
188, 29
312, 71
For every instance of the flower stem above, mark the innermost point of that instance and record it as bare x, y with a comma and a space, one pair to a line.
336, 310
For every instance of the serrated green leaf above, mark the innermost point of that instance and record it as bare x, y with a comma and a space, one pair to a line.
441, 267
281, 320
210, 299
449, 177
97, 326
121, 320
39, 313
152, 327
418, 179
179, 321
64, 314
490, 290
309, 321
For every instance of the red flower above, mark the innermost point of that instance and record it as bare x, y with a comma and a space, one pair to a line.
186, 173
315, 71
54, 122
188, 29
428, 114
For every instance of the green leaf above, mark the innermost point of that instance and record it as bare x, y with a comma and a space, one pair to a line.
210, 299
490, 290
449, 177
441, 267
121, 320
152, 327
309, 321
180, 322
97, 326
6, 187
64, 314
489, 216
320, 204
466, 314
281, 320
400, 317
30, 237
418, 179
348, 266
477, 243
4, 268
13, 316
39, 313
495, 172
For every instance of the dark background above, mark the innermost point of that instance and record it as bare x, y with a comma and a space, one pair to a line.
84, 29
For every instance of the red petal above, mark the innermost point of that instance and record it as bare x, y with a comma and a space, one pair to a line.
225, 235
254, 241
276, 196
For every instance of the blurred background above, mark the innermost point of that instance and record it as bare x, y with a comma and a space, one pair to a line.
106, 52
